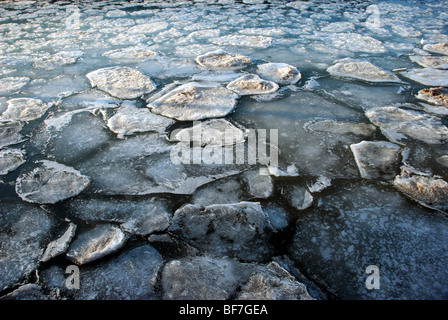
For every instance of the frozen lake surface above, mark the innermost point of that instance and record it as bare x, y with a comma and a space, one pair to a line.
116, 121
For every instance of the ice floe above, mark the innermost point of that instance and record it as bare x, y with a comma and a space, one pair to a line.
361, 70
406, 31
297, 196
131, 53
431, 61
428, 190
229, 236
25, 230
129, 120
249, 185
30, 291
11, 159
243, 41
319, 184
340, 26
116, 13
89, 99
24, 109
281, 73
273, 283
149, 27
57, 60
221, 60
259, 186
441, 48
50, 182
377, 159
428, 76
96, 243
399, 124
210, 132
279, 94
224, 191
443, 160
12, 85
60, 245
121, 82
119, 278
163, 67
58, 87
252, 84
195, 101
219, 279
125, 39
215, 278
147, 161
437, 96
71, 136
142, 216
351, 41
340, 127
10, 133
215, 76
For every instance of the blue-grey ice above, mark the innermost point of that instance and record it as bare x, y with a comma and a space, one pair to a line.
50, 182
11, 159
